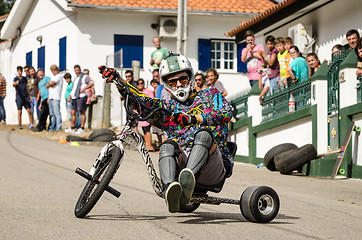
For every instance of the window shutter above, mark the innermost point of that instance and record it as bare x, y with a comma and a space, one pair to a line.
204, 54
132, 46
41, 57
63, 54
241, 65
29, 58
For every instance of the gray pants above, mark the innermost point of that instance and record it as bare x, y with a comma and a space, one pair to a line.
213, 172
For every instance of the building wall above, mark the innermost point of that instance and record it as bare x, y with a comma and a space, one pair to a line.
90, 39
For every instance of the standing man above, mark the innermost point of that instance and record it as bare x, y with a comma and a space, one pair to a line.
33, 89
159, 54
55, 91
2, 97
23, 98
212, 77
43, 95
130, 78
79, 98
251, 56
200, 82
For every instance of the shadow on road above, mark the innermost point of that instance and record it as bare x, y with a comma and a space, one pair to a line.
193, 218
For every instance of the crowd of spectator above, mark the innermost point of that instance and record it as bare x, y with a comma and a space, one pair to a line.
40, 96
283, 64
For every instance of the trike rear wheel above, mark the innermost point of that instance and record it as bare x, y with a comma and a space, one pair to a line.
259, 204
93, 191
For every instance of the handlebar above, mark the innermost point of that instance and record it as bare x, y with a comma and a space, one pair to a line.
129, 101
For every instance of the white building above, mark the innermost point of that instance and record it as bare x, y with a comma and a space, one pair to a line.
66, 33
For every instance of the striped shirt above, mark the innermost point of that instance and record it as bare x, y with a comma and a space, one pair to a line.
2, 86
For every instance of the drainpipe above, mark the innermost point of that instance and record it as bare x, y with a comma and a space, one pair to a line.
180, 23
184, 39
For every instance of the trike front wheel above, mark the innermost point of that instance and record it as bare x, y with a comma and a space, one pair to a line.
93, 191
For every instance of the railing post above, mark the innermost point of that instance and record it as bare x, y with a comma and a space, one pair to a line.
254, 106
348, 80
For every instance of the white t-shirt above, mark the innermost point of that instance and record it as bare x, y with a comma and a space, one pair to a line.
85, 81
55, 92
265, 81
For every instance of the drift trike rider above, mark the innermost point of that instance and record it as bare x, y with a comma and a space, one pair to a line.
196, 147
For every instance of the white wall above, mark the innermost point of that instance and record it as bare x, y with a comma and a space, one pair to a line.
298, 132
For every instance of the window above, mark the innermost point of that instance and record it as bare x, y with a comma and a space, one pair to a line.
225, 56
63, 53
41, 57
132, 46
29, 58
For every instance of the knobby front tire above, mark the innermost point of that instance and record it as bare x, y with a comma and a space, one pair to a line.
92, 192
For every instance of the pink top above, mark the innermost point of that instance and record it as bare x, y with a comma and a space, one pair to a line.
149, 93
253, 63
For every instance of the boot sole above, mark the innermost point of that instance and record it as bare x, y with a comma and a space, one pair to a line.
172, 197
187, 181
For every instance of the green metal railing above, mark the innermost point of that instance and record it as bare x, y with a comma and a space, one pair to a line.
333, 81
359, 93
278, 104
240, 107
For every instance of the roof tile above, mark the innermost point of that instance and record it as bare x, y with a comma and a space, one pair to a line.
236, 6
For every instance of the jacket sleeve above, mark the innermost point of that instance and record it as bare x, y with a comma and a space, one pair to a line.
221, 111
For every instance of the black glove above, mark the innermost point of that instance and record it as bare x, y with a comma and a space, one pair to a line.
108, 73
183, 119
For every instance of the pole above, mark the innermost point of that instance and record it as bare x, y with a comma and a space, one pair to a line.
184, 37
179, 25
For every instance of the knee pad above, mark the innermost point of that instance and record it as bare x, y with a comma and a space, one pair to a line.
200, 151
167, 164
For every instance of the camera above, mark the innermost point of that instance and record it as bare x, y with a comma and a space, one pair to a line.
250, 42
263, 70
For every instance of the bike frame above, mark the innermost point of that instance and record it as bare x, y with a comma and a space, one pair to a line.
135, 140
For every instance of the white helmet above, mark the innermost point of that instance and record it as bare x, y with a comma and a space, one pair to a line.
172, 64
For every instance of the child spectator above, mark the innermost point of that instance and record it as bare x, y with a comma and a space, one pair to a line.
337, 49
273, 65
288, 43
283, 59
252, 57
264, 84
313, 62
68, 100
298, 69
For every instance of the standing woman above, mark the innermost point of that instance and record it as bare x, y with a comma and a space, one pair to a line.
313, 62
298, 69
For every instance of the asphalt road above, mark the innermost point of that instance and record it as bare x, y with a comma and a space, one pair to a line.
39, 190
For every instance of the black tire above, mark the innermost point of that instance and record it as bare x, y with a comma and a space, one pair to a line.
72, 138
269, 156
104, 173
189, 208
259, 204
286, 163
103, 138
101, 132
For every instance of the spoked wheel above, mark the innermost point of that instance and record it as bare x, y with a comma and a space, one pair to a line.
92, 191
259, 204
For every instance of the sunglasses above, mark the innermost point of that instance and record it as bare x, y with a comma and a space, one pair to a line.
173, 82
128, 76
141, 83
198, 79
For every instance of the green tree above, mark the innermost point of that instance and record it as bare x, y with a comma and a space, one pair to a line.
5, 6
